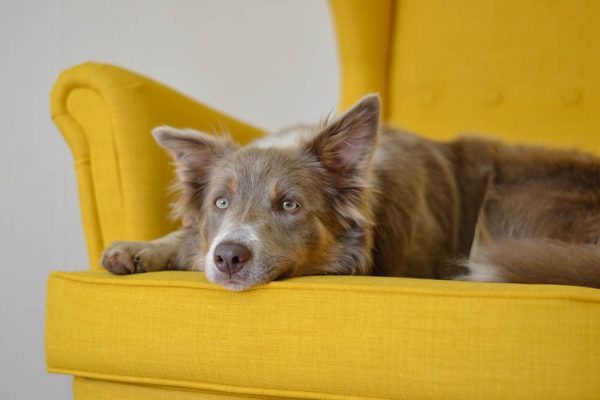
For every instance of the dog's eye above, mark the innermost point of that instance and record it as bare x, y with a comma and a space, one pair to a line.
289, 205
222, 203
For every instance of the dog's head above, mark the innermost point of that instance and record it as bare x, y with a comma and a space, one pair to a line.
289, 205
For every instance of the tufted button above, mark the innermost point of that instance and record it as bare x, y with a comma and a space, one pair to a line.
426, 98
492, 98
572, 97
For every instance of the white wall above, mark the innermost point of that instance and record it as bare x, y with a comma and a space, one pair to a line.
271, 63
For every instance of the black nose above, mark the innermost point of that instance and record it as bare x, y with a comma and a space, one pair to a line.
231, 257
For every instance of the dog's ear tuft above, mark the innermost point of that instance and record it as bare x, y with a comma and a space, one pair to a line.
193, 151
184, 144
346, 144
189, 146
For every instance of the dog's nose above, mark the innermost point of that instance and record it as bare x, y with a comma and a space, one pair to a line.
231, 257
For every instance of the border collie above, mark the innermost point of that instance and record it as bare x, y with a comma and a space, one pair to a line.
347, 196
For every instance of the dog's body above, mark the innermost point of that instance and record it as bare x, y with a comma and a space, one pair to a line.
346, 197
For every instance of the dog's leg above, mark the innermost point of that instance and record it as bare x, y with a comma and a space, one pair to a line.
125, 257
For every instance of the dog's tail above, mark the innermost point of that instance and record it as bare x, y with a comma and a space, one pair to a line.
536, 261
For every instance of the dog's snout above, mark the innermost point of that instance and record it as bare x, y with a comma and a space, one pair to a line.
231, 257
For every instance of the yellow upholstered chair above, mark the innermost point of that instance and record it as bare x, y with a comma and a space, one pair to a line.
519, 70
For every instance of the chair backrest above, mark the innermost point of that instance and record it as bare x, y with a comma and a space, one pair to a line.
522, 71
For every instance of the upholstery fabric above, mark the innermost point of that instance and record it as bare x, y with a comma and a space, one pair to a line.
520, 71
328, 337
364, 36
96, 389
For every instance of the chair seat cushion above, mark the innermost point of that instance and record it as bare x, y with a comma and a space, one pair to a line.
336, 337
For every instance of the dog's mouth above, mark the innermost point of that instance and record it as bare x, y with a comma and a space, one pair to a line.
237, 284
249, 278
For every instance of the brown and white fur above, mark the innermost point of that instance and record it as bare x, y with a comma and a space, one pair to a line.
346, 197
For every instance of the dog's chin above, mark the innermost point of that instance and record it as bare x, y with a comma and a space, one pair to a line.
234, 283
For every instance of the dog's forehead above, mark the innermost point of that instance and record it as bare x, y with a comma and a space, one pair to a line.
255, 168
291, 137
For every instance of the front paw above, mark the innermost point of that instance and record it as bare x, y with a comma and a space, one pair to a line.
127, 257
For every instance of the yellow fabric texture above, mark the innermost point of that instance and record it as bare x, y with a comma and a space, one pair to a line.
95, 389
520, 71
328, 337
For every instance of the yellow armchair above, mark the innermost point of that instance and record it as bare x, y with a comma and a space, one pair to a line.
524, 71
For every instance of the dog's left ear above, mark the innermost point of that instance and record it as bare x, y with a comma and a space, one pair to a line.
195, 154
346, 144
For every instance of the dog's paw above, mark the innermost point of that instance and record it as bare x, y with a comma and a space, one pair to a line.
129, 257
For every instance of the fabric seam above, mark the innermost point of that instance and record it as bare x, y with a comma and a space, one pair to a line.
329, 287
211, 386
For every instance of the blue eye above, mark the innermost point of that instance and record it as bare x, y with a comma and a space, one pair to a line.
222, 203
289, 205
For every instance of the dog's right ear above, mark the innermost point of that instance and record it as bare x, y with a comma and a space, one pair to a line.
189, 146
193, 151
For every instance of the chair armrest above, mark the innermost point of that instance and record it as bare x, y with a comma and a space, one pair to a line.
106, 114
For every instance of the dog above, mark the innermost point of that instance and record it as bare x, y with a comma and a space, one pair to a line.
346, 196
